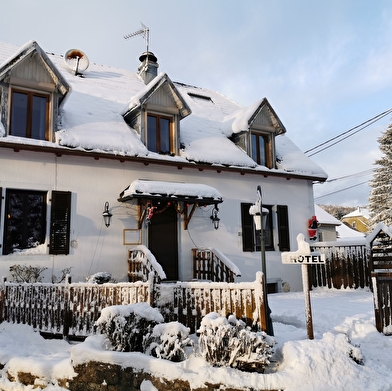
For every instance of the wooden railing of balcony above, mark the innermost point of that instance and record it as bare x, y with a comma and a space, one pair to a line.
211, 265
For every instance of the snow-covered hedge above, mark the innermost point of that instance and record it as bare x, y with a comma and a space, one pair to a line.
129, 327
140, 328
169, 341
229, 342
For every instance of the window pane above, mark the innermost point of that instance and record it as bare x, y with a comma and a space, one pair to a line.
152, 134
165, 135
254, 147
19, 114
38, 121
261, 151
24, 220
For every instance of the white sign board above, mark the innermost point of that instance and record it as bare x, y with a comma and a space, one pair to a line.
303, 259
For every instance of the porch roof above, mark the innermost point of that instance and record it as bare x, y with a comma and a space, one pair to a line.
191, 193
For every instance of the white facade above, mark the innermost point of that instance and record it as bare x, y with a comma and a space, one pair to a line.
95, 175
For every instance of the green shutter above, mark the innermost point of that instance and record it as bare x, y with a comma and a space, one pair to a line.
283, 227
60, 222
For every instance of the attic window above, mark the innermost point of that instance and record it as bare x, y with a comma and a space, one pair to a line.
198, 97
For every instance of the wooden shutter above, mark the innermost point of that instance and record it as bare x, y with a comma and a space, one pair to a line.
60, 222
283, 227
247, 228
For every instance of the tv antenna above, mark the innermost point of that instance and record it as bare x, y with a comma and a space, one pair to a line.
144, 32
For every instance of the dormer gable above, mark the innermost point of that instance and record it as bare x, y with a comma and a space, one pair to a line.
254, 129
155, 113
32, 90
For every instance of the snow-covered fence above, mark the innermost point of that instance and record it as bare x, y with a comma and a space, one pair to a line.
189, 302
72, 309
66, 309
346, 266
382, 295
210, 264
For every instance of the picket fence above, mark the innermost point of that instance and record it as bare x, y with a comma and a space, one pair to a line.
71, 310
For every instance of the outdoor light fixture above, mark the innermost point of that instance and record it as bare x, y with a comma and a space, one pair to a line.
214, 217
106, 214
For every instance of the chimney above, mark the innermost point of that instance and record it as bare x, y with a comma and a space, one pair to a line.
148, 67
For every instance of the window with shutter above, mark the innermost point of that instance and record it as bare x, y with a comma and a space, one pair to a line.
60, 222
283, 227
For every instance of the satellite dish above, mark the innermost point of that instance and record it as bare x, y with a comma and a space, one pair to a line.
76, 60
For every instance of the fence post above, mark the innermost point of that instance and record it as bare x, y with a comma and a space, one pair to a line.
151, 290
260, 300
2, 297
66, 314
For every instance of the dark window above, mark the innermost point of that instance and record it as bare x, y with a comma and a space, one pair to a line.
251, 237
60, 222
159, 134
30, 115
261, 149
25, 220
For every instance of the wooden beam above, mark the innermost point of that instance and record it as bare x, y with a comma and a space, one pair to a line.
187, 217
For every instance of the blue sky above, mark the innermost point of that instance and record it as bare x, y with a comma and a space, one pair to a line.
325, 66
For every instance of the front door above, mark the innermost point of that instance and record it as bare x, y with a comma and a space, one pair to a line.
162, 240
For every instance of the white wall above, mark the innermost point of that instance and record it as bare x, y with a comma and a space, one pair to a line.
98, 248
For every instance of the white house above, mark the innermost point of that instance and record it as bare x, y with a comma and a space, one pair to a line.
163, 157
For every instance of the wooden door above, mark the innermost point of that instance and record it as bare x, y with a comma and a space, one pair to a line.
163, 241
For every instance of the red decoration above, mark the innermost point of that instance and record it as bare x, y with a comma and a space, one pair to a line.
312, 228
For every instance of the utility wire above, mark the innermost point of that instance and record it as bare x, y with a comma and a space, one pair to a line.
340, 190
357, 174
354, 130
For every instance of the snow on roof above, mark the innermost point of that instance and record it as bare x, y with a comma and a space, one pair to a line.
324, 217
171, 189
377, 229
359, 212
92, 120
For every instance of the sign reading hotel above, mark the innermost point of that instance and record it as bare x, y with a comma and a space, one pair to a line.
303, 256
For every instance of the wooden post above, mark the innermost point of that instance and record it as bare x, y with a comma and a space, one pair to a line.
308, 308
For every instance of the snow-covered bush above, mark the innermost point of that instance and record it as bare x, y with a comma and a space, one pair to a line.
26, 273
169, 341
129, 327
99, 278
229, 342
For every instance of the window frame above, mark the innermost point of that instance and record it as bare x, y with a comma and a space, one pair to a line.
30, 93
24, 233
267, 159
158, 139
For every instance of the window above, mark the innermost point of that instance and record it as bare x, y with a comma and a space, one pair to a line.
25, 220
251, 238
159, 134
29, 115
261, 150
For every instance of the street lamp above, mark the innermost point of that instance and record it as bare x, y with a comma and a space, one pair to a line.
260, 219
106, 214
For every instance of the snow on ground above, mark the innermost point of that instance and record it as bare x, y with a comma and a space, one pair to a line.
347, 352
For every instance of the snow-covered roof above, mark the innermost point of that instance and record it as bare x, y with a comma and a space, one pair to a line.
172, 190
324, 217
92, 119
377, 229
359, 212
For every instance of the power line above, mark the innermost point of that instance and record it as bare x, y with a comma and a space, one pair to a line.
354, 131
357, 174
340, 190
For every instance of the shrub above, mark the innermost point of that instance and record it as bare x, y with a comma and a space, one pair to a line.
26, 273
169, 341
99, 278
229, 342
129, 327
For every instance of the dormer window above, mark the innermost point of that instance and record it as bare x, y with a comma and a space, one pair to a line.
29, 114
160, 134
261, 149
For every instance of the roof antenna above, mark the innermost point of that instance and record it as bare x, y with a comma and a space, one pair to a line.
144, 32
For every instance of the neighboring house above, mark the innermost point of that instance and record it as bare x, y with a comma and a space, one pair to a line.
357, 220
327, 225
166, 160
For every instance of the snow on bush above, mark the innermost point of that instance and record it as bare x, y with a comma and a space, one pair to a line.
129, 327
229, 342
169, 341
99, 278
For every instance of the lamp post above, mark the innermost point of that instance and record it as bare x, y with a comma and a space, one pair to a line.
106, 214
260, 219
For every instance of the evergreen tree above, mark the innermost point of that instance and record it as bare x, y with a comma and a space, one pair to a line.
380, 200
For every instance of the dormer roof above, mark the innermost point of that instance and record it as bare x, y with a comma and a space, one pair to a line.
32, 49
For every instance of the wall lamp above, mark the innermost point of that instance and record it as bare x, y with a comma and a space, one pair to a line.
106, 214
214, 217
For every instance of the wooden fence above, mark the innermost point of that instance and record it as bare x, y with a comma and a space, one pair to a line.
71, 310
346, 266
382, 295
